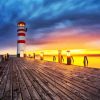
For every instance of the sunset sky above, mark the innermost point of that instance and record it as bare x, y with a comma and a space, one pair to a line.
52, 24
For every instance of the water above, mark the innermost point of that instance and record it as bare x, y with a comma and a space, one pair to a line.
93, 61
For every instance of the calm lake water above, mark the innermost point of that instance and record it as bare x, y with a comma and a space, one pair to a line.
93, 61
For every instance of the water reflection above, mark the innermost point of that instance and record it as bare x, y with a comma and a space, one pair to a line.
93, 61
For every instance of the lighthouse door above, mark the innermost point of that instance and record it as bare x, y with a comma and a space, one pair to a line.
21, 54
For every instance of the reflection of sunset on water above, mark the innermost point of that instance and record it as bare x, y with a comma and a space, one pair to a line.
78, 56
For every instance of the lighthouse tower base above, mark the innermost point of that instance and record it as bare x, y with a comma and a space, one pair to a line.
18, 55
21, 54
20, 49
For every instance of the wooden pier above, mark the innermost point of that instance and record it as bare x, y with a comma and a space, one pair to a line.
27, 79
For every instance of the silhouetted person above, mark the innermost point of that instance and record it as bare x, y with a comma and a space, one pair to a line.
54, 58
85, 61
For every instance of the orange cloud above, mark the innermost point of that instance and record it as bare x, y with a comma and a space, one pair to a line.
75, 41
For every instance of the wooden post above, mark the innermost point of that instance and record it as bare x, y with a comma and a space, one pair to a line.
59, 56
41, 56
68, 58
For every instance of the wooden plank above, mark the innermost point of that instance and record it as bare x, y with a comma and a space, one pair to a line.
59, 87
24, 90
80, 85
3, 83
39, 89
35, 80
17, 95
55, 94
65, 75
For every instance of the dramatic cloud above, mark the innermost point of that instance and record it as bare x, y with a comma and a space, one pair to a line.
45, 18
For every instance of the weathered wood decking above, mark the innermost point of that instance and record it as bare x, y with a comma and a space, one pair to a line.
25, 79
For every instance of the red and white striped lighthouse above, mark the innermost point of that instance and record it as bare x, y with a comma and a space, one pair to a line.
21, 39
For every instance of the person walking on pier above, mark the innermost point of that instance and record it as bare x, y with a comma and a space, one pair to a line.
85, 61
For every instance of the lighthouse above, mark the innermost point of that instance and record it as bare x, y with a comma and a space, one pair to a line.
21, 33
